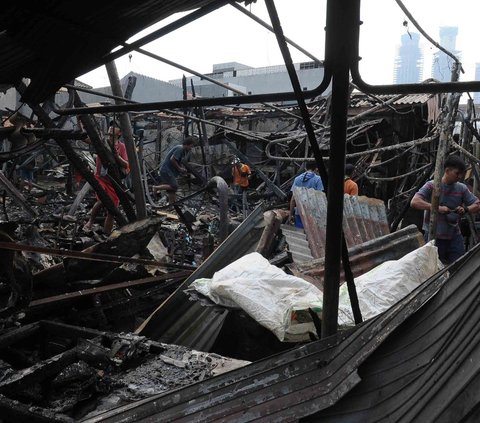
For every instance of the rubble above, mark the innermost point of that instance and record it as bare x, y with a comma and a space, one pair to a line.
98, 326
78, 370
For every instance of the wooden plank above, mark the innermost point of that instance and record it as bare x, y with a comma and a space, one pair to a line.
16, 195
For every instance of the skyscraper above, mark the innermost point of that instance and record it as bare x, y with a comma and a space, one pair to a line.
442, 63
476, 96
409, 62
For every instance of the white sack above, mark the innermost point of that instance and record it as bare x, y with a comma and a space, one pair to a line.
388, 283
274, 299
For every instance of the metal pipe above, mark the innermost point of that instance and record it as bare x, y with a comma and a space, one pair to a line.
207, 78
86, 90
219, 101
343, 18
212, 6
338, 131
266, 25
433, 88
446, 129
296, 88
222, 190
421, 30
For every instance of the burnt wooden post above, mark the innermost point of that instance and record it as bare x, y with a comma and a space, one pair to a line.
445, 132
342, 24
107, 160
77, 162
202, 135
185, 110
129, 143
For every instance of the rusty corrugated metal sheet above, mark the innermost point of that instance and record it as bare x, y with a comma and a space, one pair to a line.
368, 255
416, 362
361, 100
364, 218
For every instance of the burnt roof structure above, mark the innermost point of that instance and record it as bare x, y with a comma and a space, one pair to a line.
53, 42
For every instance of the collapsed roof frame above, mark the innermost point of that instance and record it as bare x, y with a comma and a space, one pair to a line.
341, 60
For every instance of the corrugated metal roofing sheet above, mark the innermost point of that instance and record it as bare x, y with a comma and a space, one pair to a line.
53, 42
363, 219
416, 362
362, 100
428, 371
366, 256
183, 322
297, 243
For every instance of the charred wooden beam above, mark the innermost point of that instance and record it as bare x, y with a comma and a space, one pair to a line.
19, 334
16, 195
273, 220
38, 372
12, 410
126, 241
69, 296
46, 133
90, 255
127, 133
106, 157
77, 162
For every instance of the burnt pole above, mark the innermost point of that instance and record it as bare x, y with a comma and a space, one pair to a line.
336, 248
127, 132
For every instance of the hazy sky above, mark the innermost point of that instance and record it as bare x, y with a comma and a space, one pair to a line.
227, 35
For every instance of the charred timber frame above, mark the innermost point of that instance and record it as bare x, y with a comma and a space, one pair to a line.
334, 182
341, 56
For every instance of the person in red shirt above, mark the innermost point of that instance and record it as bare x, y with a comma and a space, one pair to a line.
350, 187
121, 159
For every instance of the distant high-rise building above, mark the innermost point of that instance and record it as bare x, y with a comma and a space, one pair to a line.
476, 96
442, 63
409, 62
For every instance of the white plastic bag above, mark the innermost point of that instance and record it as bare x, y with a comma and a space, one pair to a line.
277, 301
388, 283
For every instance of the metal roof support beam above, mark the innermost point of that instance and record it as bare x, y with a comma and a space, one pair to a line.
207, 78
266, 25
335, 245
211, 7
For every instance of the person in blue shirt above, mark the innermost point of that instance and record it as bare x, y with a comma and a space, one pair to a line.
308, 179
172, 166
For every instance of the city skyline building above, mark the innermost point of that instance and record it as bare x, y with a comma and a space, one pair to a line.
476, 96
442, 63
408, 66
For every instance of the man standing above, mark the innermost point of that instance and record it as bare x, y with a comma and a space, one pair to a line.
172, 166
241, 175
101, 174
241, 180
350, 187
455, 200
308, 179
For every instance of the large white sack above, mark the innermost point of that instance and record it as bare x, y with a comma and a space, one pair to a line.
276, 300
388, 283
